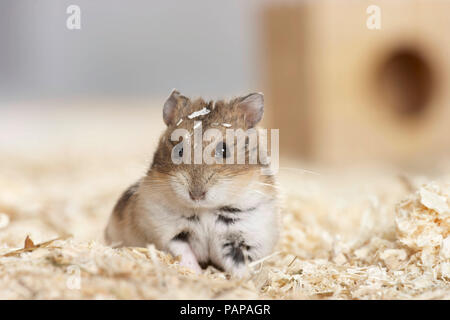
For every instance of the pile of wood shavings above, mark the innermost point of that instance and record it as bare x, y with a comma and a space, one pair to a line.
376, 242
409, 262
423, 223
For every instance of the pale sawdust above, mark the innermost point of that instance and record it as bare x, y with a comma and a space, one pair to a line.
357, 234
349, 240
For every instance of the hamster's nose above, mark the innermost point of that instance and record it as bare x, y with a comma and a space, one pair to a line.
197, 195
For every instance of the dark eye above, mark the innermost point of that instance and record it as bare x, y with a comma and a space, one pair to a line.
222, 151
177, 152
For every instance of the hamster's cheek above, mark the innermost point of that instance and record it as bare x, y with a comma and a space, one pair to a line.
245, 188
179, 187
220, 193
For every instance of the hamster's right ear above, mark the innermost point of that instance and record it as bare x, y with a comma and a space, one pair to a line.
252, 106
170, 107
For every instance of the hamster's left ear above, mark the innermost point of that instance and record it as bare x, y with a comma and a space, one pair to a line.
252, 106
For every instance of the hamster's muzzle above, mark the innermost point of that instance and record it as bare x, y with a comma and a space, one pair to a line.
197, 194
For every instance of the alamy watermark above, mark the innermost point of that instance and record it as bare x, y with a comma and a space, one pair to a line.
73, 21
73, 282
234, 148
373, 22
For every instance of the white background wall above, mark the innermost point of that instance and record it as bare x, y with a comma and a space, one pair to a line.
128, 48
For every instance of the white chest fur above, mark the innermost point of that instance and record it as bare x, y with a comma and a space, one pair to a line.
212, 233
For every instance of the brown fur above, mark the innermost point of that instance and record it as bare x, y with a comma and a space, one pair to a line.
136, 221
221, 112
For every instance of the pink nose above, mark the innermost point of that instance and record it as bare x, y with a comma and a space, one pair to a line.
197, 195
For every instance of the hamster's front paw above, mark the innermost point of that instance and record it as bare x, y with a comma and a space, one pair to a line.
182, 249
236, 255
188, 262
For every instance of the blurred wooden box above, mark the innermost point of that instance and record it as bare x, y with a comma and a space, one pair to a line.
342, 93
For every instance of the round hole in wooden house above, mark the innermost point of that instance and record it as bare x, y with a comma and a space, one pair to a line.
405, 83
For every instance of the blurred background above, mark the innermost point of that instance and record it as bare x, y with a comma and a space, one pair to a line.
341, 93
136, 48
365, 110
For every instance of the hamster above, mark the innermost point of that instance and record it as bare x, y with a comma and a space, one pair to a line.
224, 215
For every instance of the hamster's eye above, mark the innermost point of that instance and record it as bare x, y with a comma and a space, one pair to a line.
222, 150
177, 151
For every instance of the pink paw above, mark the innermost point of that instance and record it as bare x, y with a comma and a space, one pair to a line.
191, 264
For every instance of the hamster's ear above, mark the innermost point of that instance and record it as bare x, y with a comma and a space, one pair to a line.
252, 106
170, 108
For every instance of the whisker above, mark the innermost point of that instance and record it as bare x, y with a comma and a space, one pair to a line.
301, 170
268, 184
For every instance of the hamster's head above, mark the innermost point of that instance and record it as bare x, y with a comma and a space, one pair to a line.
196, 163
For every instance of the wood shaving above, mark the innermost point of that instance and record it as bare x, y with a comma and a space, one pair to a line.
199, 113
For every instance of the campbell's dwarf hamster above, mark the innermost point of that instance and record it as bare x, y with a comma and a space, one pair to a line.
220, 213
